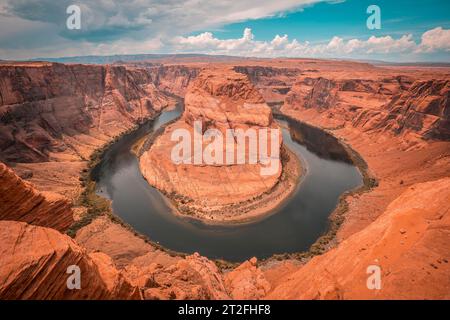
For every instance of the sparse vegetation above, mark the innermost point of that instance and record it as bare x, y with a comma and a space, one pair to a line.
337, 218
97, 205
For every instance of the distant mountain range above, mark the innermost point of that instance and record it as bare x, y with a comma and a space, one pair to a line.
197, 57
141, 57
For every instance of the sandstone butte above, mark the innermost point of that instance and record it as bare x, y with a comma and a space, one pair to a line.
396, 118
218, 99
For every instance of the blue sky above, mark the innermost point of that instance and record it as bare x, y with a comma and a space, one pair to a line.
318, 23
411, 30
322, 21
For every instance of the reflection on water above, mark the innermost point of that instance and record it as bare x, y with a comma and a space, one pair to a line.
317, 141
292, 228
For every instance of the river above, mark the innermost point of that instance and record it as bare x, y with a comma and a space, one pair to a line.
293, 227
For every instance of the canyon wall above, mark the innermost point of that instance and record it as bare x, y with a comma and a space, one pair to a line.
273, 83
174, 79
396, 105
224, 99
424, 109
51, 111
397, 120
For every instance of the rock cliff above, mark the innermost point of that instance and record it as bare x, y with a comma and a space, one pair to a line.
423, 109
273, 83
51, 111
174, 79
21, 202
225, 99
395, 105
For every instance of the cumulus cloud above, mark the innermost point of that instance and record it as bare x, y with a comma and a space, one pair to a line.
435, 39
281, 46
378, 45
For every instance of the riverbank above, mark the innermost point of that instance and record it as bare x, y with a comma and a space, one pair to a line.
144, 217
248, 211
337, 217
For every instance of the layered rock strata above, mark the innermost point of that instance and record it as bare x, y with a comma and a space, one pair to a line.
423, 109
51, 111
220, 100
394, 105
37, 263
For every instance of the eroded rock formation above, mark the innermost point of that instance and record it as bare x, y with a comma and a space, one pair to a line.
218, 99
423, 109
395, 105
173, 78
194, 277
247, 281
21, 202
272, 83
51, 111
35, 261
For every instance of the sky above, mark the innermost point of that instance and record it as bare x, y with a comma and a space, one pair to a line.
410, 30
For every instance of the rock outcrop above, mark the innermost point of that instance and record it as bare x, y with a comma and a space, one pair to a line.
219, 99
247, 281
121, 244
324, 94
225, 99
395, 105
308, 93
36, 264
194, 277
21, 202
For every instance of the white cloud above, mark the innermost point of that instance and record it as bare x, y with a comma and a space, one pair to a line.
373, 45
152, 17
106, 23
206, 42
435, 39
281, 46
